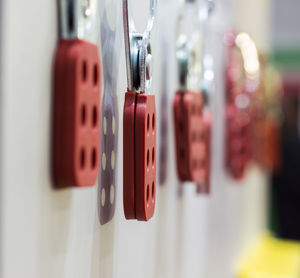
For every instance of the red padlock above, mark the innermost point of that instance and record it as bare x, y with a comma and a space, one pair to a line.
238, 140
204, 187
76, 112
241, 87
191, 133
139, 127
139, 155
191, 151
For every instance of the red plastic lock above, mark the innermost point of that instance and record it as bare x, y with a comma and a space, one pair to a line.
238, 141
206, 163
191, 150
76, 114
139, 154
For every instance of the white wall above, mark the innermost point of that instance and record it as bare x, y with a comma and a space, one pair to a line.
56, 233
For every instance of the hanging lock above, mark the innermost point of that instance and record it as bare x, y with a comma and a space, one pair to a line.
190, 129
190, 135
204, 186
139, 122
238, 140
76, 98
237, 122
242, 84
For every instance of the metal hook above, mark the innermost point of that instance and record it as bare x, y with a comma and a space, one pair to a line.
68, 19
138, 51
189, 51
77, 19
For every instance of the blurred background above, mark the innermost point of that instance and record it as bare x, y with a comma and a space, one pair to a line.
241, 222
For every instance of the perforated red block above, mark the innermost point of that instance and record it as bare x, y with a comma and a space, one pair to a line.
145, 156
238, 141
181, 138
206, 162
190, 136
139, 156
76, 124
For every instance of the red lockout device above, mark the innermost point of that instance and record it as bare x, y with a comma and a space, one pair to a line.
239, 110
191, 133
204, 187
238, 141
139, 124
76, 127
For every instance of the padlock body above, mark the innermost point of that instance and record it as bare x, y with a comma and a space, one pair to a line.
139, 156
191, 151
238, 141
145, 156
206, 162
76, 124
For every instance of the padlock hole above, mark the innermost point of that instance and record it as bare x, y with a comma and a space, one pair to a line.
94, 116
148, 123
84, 71
148, 158
148, 193
153, 192
153, 122
95, 75
94, 158
153, 157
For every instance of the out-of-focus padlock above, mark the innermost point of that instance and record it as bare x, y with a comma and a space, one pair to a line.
76, 99
190, 136
242, 83
205, 187
192, 153
238, 144
139, 123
